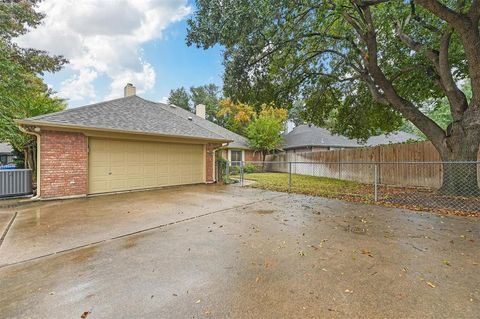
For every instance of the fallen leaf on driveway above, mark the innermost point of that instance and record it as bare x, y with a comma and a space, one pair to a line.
85, 314
366, 252
198, 301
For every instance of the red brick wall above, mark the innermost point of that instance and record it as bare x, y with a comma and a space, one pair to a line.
209, 162
63, 164
250, 156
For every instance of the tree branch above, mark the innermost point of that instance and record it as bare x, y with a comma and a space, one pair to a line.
443, 12
474, 11
457, 99
435, 133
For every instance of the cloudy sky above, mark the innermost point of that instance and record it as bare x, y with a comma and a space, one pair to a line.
112, 42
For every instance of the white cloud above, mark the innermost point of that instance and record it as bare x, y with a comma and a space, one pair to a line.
104, 38
80, 86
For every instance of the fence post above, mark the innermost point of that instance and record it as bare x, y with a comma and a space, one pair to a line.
375, 177
289, 176
241, 173
227, 172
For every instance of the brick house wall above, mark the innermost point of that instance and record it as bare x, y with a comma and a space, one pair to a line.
63, 164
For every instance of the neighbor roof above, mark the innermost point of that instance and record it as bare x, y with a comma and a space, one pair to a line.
130, 114
5, 148
392, 138
310, 135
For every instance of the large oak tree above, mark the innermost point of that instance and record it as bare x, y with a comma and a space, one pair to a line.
368, 63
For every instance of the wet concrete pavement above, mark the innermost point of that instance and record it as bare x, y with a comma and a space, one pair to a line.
248, 254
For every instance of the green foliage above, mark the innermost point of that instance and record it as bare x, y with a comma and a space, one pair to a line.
264, 134
288, 51
17, 17
179, 97
249, 168
209, 96
22, 92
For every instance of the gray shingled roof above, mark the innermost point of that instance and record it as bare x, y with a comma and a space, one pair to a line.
238, 140
132, 114
392, 138
310, 135
6, 148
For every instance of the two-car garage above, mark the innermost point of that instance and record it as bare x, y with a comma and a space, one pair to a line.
121, 145
120, 165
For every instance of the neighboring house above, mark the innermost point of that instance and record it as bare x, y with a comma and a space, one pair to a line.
125, 144
392, 138
6, 154
305, 138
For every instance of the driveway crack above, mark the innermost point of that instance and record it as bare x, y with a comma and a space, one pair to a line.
7, 229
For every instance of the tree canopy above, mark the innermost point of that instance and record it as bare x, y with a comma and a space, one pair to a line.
264, 133
180, 97
364, 65
208, 94
22, 92
236, 116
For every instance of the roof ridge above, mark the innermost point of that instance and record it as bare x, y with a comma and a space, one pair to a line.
81, 107
166, 107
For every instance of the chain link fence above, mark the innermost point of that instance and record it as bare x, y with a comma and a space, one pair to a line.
445, 187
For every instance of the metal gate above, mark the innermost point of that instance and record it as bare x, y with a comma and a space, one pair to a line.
15, 182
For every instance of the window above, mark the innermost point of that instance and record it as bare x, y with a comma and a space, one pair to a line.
235, 156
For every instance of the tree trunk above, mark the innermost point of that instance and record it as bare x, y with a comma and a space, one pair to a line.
264, 155
461, 179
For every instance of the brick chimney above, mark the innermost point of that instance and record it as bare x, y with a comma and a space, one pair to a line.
129, 90
200, 110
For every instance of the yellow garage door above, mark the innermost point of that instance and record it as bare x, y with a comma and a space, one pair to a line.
119, 165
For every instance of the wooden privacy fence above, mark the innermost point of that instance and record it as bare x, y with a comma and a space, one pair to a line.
414, 165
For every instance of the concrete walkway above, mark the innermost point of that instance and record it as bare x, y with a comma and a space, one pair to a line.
231, 252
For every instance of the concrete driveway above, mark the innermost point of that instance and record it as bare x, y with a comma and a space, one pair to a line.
231, 252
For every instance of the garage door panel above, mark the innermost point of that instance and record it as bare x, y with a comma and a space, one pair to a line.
116, 165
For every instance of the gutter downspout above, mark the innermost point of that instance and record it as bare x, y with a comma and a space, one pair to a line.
37, 196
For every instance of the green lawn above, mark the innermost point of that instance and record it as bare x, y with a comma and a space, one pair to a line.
311, 185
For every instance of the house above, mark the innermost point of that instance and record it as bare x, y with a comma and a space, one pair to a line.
391, 138
305, 138
6, 154
126, 144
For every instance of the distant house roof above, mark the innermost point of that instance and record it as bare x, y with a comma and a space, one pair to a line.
132, 114
6, 148
392, 138
310, 135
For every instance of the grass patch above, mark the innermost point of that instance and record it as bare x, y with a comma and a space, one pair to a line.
311, 185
